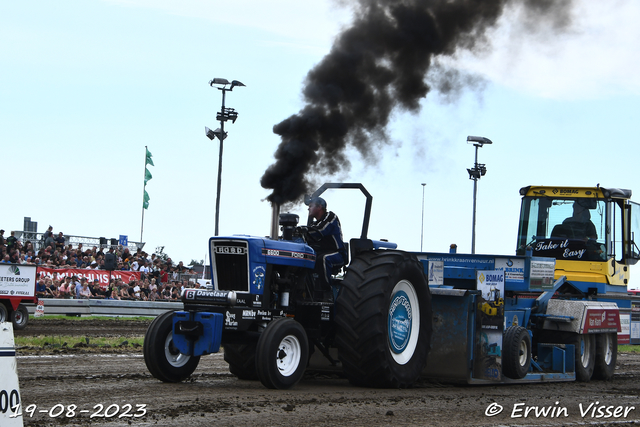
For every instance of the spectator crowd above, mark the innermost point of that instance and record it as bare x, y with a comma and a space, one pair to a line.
160, 279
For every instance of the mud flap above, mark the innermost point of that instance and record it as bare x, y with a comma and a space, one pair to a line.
453, 338
197, 333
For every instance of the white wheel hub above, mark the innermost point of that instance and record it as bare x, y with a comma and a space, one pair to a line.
174, 357
522, 355
288, 355
608, 348
585, 350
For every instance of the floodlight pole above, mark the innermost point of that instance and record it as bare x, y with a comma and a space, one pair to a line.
224, 115
422, 229
475, 174
475, 193
219, 186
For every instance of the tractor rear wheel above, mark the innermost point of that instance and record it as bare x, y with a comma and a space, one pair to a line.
383, 319
242, 360
161, 356
606, 356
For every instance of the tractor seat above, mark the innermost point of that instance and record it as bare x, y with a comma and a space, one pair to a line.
561, 230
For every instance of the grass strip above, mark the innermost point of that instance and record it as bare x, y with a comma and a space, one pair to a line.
61, 341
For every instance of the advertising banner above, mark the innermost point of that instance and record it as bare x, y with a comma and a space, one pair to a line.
103, 276
624, 336
17, 280
513, 269
542, 273
488, 360
436, 273
634, 328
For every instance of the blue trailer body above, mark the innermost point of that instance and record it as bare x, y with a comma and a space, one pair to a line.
468, 331
455, 345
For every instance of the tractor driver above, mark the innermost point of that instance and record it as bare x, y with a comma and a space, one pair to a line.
580, 222
325, 237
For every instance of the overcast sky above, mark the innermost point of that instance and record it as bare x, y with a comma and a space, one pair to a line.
87, 84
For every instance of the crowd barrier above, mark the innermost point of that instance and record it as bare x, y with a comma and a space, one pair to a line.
102, 307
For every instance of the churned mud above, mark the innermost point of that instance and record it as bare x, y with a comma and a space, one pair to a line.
113, 387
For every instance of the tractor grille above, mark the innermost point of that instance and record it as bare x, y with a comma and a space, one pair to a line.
230, 265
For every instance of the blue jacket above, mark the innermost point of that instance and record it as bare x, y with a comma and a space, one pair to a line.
327, 234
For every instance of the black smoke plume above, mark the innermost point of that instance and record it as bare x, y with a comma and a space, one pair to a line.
375, 67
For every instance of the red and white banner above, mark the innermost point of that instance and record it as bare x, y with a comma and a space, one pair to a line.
102, 275
601, 320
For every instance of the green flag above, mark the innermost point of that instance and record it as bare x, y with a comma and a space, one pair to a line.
149, 161
147, 177
145, 202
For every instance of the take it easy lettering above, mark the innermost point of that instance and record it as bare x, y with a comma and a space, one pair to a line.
548, 246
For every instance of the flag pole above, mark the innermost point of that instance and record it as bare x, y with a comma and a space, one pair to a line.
144, 188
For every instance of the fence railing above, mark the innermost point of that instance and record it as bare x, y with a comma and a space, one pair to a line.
37, 241
101, 307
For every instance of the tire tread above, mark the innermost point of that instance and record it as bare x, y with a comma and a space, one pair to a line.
361, 309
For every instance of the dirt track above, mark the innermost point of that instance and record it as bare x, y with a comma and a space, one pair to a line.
214, 397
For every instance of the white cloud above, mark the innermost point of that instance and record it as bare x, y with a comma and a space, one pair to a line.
597, 57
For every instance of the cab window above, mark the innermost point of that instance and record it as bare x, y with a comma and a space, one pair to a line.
571, 228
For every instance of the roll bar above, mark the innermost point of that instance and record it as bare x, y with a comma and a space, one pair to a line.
358, 186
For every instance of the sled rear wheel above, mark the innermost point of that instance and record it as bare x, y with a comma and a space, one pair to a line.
585, 355
606, 356
516, 354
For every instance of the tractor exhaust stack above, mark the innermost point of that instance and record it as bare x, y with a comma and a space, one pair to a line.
275, 215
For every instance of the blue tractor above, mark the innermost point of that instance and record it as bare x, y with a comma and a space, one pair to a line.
376, 328
554, 311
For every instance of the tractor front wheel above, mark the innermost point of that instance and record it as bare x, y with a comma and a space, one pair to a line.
161, 356
282, 354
